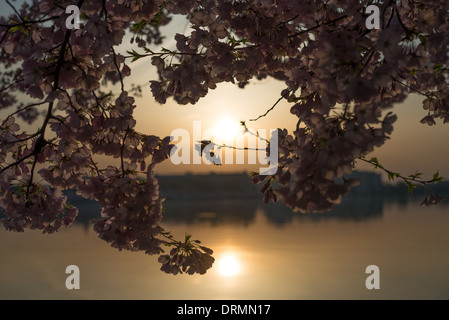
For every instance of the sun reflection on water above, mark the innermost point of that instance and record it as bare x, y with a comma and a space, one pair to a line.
229, 265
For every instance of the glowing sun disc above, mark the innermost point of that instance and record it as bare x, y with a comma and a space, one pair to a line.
228, 266
226, 130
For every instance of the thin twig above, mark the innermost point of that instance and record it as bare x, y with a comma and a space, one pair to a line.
9, 26
16, 163
10, 85
118, 69
121, 152
40, 143
397, 175
22, 109
411, 88
317, 26
15, 10
268, 111
231, 147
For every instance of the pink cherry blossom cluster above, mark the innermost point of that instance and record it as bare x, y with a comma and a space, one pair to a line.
42, 209
341, 80
63, 71
188, 256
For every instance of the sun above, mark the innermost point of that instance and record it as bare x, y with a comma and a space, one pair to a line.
228, 265
226, 130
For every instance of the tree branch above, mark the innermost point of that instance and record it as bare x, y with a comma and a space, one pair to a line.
317, 26
411, 88
40, 143
118, 69
15, 10
410, 180
269, 110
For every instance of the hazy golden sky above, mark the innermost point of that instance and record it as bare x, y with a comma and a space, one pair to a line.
413, 146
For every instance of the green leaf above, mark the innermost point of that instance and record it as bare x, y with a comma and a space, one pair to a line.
436, 175
361, 48
417, 175
422, 38
14, 29
392, 176
252, 174
135, 54
137, 27
376, 163
411, 187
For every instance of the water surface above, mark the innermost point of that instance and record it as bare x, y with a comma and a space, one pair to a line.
261, 253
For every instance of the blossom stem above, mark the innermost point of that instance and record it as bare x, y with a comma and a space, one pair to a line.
317, 26
16, 163
274, 105
118, 69
121, 152
407, 180
15, 10
10, 85
411, 88
40, 143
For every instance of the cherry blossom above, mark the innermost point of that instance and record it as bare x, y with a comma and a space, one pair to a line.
341, 80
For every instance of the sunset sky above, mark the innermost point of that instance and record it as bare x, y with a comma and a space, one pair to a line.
413, 146
261, 251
